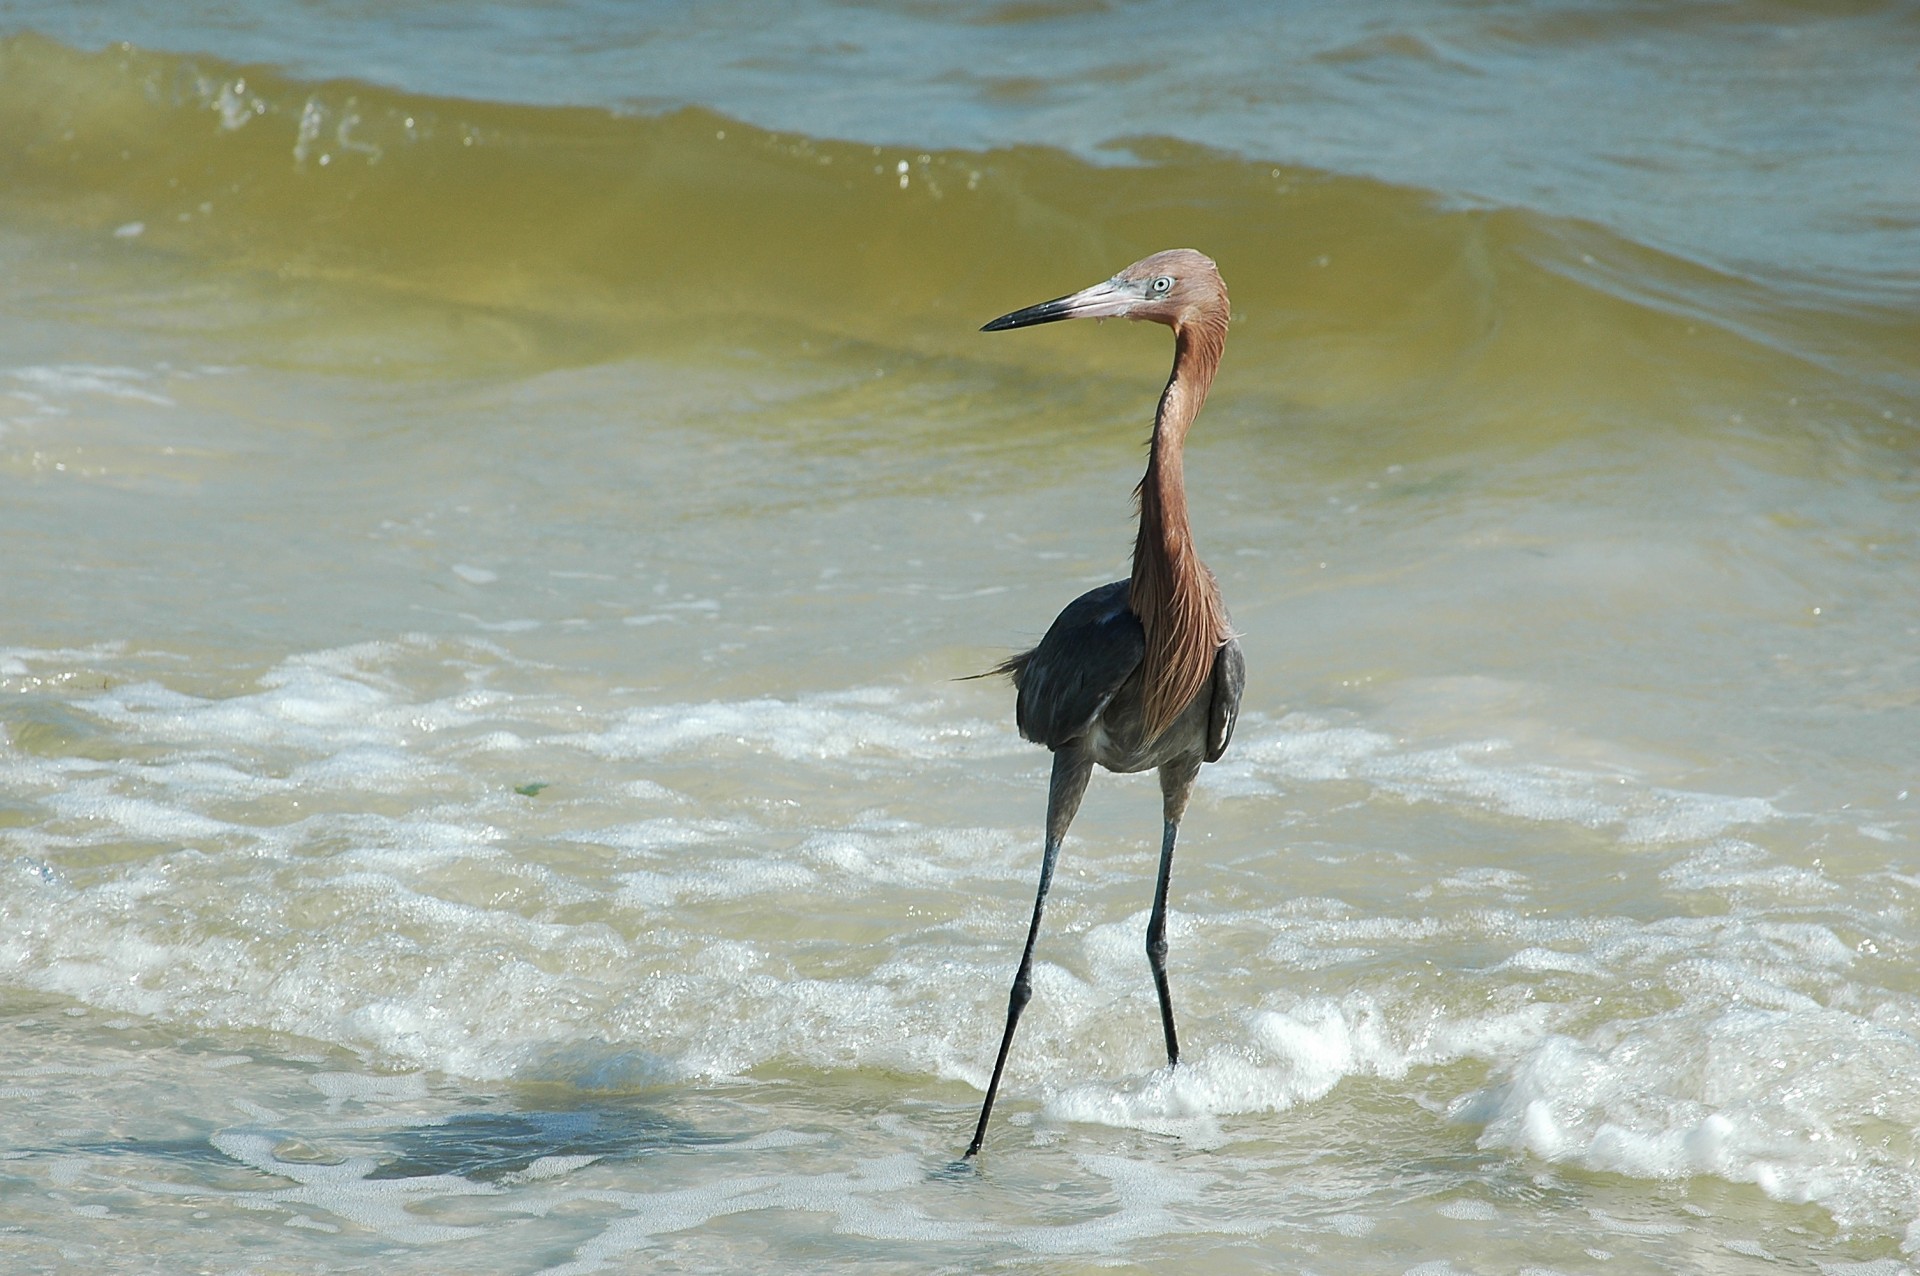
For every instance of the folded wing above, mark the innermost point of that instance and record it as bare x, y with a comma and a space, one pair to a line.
1065, 683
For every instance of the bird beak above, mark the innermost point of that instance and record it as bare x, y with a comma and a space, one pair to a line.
1106, 300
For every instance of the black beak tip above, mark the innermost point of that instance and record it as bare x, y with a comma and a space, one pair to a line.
1045, 312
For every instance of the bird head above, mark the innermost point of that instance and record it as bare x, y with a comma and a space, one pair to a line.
1176, 287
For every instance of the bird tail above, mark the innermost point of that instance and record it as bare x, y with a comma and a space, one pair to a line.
1010, 667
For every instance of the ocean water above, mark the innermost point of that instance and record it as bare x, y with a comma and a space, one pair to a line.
500, 502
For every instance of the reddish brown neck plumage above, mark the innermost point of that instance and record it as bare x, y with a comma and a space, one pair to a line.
1172, 591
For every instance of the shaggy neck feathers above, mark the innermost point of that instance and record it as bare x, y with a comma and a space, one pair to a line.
1172, 591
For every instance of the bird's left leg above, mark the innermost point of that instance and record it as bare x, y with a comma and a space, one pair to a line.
1071, 767
1176, 784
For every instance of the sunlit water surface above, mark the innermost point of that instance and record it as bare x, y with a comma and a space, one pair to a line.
486, 781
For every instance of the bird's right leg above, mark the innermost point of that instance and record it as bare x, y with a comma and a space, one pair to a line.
1071, 767
1176, 784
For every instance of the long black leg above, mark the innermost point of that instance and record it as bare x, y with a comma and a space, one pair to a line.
1070, 771
1157, 943
1176, 782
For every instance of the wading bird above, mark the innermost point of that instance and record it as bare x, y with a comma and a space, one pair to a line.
1144, 672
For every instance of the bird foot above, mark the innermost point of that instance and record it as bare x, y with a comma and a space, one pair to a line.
959, 1171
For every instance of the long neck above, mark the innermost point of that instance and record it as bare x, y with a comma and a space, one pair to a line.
1172, 591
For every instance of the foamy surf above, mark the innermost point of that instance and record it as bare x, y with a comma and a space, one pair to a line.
349, 853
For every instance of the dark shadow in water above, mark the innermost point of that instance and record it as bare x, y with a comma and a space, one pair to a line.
481, 1146
191, 1151
484, 1146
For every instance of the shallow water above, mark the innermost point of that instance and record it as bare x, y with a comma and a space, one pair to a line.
485, 780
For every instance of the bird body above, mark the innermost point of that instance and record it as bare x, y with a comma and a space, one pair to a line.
1085, 687
1144, 673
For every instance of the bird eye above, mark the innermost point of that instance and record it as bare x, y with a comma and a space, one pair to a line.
1162, 285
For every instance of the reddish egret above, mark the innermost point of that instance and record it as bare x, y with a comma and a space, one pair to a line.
1143, 672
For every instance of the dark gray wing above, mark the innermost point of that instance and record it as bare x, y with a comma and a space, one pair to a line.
1092, 648
1229, 676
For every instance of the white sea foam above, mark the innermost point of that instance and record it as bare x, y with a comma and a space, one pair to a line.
1482, 774
905, 854
1286, 1058
336, 853
1790, 1100
876, 723
70, 380
342, 1088
1470, 1211
883, 1199
135, 817
345, 1190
